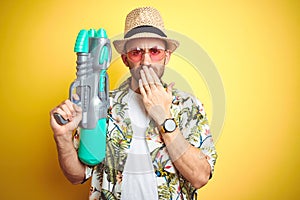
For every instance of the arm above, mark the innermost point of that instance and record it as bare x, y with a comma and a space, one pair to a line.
72, 168
191, 162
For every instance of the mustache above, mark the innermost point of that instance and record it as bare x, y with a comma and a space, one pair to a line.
153, 66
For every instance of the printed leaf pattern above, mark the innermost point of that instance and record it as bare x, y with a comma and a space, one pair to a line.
193, 123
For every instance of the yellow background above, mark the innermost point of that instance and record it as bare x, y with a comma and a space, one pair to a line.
254, 45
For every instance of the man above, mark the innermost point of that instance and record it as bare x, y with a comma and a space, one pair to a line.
158, 140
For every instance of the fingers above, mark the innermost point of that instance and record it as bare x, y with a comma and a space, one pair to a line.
148, 76
142, 90
150, 79
67, 110
70, 112
155, 77
75, 98
151, 76
150, 84
144, 85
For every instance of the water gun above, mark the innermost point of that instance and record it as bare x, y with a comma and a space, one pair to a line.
91, 86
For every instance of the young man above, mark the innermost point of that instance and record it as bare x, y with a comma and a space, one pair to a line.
158, 140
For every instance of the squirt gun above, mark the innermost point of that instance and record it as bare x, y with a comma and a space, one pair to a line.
90, 92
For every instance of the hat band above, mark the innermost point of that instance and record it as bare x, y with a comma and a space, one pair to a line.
144, 29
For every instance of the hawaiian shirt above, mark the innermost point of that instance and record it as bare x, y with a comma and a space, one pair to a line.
191, 119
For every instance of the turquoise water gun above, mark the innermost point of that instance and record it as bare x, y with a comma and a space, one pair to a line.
92, 87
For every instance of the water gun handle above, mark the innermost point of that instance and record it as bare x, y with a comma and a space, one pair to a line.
59, 119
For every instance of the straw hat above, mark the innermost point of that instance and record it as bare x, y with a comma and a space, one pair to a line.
144, 22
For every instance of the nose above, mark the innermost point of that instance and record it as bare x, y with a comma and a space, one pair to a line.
146, 59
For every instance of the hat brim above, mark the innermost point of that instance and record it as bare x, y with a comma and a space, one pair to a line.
171, 45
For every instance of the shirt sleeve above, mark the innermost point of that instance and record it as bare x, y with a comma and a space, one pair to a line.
194, 125
88, 173
206, 142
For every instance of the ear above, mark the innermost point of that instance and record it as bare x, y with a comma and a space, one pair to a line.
168, 56
124, 59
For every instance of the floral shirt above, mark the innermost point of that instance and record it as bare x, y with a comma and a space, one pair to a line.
191, 118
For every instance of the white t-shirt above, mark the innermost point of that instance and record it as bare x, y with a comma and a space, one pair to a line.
139, 181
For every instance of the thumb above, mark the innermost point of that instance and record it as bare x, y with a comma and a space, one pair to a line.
170, 88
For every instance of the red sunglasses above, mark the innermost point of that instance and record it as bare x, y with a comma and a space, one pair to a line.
155, 54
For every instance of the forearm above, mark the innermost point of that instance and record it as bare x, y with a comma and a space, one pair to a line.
188, 160
71, 166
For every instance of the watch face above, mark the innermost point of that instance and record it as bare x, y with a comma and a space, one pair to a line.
170, 125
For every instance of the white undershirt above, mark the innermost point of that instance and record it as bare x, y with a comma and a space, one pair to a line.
139, 181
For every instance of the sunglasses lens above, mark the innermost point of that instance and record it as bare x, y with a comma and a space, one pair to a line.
135, 55
156, 54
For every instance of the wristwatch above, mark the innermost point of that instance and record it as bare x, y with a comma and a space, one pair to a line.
168, 126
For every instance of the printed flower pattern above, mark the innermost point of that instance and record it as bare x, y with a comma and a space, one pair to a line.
191, 118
